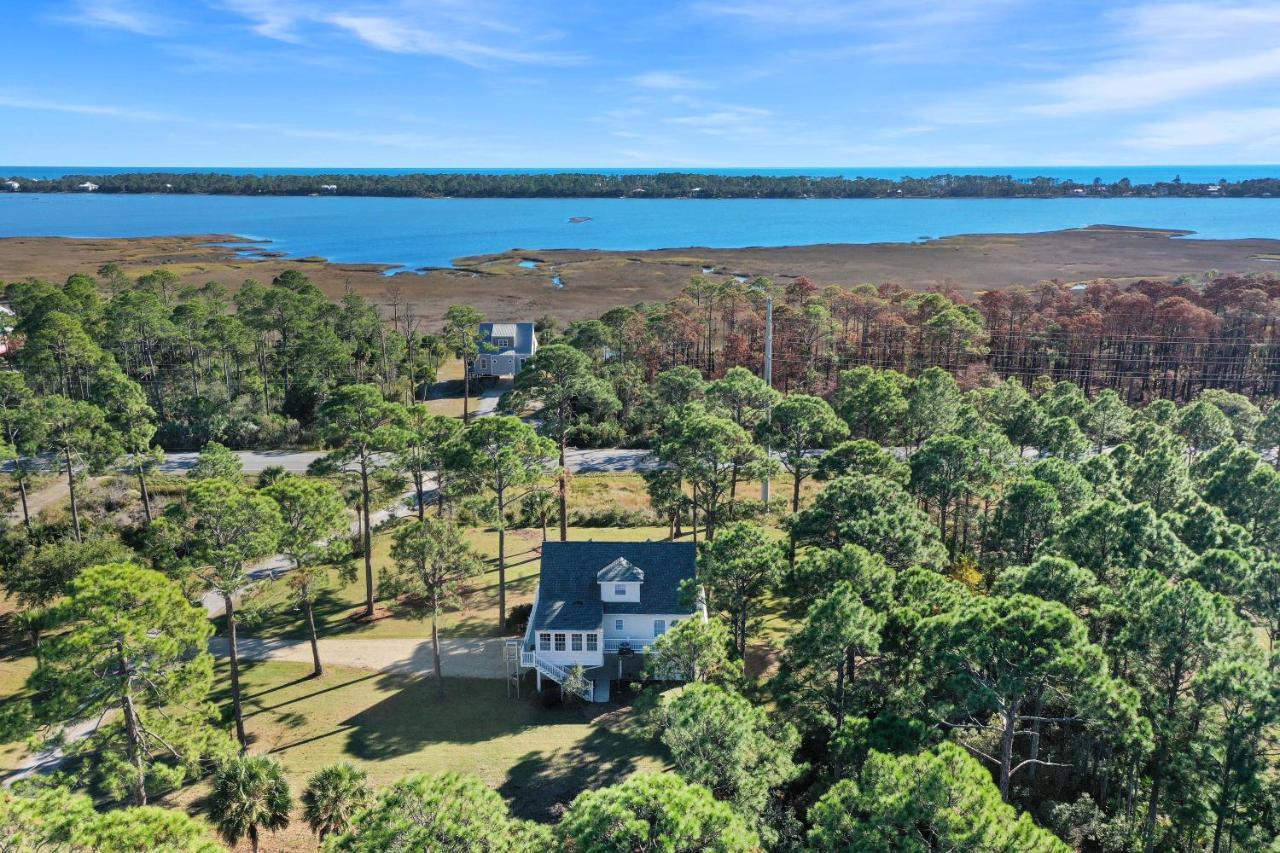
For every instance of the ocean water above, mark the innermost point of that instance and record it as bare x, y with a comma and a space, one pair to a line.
1200, 174
413, 233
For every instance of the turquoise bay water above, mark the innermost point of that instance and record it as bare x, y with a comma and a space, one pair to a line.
413, 233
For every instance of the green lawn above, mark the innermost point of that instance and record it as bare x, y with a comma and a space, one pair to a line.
390, 725
16, 664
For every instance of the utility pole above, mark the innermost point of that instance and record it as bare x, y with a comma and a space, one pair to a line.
768, 375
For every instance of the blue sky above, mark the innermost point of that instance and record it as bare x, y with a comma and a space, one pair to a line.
706, 83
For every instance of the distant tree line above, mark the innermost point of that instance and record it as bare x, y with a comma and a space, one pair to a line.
1145, 340
660, 185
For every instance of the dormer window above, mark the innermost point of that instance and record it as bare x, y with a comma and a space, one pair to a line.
620, 581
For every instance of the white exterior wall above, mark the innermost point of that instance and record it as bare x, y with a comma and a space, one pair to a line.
568, 657
632, 592
637, 625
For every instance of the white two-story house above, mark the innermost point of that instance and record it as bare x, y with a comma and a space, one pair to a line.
601, 605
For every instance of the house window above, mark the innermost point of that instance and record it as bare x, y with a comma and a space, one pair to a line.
617, 624
593, 643
576, 640
559, 642
659, 627
620, 589
544, 642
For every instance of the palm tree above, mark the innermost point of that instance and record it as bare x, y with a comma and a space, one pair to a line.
333, 795
541, 504
249, 793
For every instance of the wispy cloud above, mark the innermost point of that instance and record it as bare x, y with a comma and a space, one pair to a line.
18, 102
1141, 62
1245, 129
726, 121
1169, 53
408, 141
117, 15
669, 80
869, 15
393, 36
470, 33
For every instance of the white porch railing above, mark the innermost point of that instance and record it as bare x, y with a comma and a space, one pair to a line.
636, 644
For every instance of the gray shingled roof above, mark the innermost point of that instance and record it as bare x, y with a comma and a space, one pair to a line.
569, 592
620, 570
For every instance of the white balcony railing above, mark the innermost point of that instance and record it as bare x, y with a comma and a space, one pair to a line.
637, 644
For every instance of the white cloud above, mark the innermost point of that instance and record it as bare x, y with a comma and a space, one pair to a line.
1124, 86
666, 80
1248, 129
388, 140
726, 121
477, 34
45, 105
861, 14
393, 36
117, 15
273, 19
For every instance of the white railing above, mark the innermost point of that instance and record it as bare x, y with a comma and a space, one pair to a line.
637, 644
559, 674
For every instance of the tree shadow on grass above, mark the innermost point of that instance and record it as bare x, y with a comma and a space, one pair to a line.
473, 711
542, 784
288, 714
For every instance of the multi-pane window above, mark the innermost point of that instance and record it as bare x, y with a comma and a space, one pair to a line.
576, 640
544, 642
620, 589
559, 642
659, 627
592, 643
617, 624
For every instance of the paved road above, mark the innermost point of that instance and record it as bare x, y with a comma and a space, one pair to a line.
610, 460
460, 658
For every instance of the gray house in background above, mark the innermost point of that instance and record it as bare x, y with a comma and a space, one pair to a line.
504, 348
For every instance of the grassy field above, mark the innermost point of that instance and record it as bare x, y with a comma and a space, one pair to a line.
537, 758
15, 666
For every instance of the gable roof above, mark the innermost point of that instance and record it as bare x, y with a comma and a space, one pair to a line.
620, 570
569, 592
521, 333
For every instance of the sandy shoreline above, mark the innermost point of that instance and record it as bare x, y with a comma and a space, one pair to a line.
595, 281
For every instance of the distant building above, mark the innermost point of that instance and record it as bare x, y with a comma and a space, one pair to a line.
13, 185
87, 186
504, 348
329, 188
7, 341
